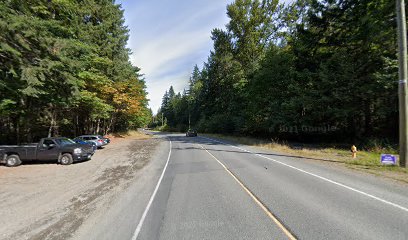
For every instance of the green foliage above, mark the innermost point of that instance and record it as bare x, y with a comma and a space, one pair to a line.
305, 66
65, 70
6, 107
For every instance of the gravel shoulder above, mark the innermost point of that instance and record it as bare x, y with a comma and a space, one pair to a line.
51, 201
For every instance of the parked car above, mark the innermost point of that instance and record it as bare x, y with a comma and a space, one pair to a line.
63, 150
106, 138
191, 133
97, 139
94, 147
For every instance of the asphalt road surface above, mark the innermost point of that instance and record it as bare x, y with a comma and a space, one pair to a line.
213, 190
177, 187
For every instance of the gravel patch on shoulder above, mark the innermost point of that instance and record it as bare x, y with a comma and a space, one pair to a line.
50, 201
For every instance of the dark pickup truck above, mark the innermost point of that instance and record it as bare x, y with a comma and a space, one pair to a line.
63, 150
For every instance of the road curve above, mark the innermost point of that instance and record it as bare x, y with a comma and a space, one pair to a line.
214, 190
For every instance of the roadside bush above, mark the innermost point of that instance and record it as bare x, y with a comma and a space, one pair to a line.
379, 145
219, 123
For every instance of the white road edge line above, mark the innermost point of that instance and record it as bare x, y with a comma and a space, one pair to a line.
139, 226
317, 176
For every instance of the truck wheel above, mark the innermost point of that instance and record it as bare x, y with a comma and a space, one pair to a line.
66, 159
13, 160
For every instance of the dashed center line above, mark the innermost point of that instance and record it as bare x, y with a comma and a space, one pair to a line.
317, 176
256, 200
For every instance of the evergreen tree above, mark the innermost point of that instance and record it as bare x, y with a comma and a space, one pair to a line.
65, 70
313, 63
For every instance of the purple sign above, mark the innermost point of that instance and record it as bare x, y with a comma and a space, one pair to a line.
388, 159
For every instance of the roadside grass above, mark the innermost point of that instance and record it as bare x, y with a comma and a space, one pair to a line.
366, 161
138, 135
134, 134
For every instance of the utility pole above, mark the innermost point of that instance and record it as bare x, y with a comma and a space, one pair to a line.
189, 107
402, 83
189, 120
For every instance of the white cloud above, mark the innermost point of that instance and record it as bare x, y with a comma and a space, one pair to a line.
157, 88
167, 46
159, 58
167, 39
156, 56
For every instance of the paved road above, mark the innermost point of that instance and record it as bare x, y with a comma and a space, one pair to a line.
212, 190
205, 189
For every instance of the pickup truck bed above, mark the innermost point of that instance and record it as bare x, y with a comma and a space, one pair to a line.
24, 151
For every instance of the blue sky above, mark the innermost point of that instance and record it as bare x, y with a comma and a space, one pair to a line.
168, 37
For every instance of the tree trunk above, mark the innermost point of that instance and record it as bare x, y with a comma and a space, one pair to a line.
98, 125
105, 127
88, 126
367, 118
111, 123
76, 126
17, 129
52, 124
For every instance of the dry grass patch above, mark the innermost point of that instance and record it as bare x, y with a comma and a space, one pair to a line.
115, 137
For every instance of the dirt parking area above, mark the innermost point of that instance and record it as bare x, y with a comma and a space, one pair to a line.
51, 201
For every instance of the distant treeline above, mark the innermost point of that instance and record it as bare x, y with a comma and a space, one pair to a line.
314, 70
65, 70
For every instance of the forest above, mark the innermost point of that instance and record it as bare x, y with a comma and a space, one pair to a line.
65, 70
312, 71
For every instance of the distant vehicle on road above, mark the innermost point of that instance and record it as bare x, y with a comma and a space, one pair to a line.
97, 139
191, 133
60, 149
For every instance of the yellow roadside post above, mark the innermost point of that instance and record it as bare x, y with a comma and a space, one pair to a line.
353, 151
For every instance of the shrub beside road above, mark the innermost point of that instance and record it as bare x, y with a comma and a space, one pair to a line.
366, 161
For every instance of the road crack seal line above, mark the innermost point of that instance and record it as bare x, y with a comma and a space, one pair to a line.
268, 212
